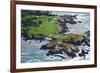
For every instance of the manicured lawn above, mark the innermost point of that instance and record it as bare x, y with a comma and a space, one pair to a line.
47, 27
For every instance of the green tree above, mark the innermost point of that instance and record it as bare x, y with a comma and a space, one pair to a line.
30, 21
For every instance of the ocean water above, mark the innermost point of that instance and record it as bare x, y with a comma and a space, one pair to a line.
31, 53
80, 28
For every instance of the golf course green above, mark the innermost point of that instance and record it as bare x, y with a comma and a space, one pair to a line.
48, 26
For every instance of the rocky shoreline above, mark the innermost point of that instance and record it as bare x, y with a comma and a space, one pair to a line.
69, 40
69, 46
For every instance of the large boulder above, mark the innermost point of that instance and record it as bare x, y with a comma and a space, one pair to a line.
70, 50
54, 51
71, 54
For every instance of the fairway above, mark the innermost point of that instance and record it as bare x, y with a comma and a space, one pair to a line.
47, 27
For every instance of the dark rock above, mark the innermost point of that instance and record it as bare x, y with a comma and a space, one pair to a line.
87, 33
87, 42
80, 54
48, 54
87, 50
52, 52
64, 27
62, 24
76, 42
63, 31
79, 21
83, 53
72, 22
71, 54
60, 56
25, 36
76, 50
41, 38
44, 47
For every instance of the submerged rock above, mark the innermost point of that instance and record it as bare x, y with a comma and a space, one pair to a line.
83, 53
87, 33
72, 22
79, 21
60, 56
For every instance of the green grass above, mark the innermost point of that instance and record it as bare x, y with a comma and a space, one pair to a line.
50, 26
46, 28
74, 37
69, 37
